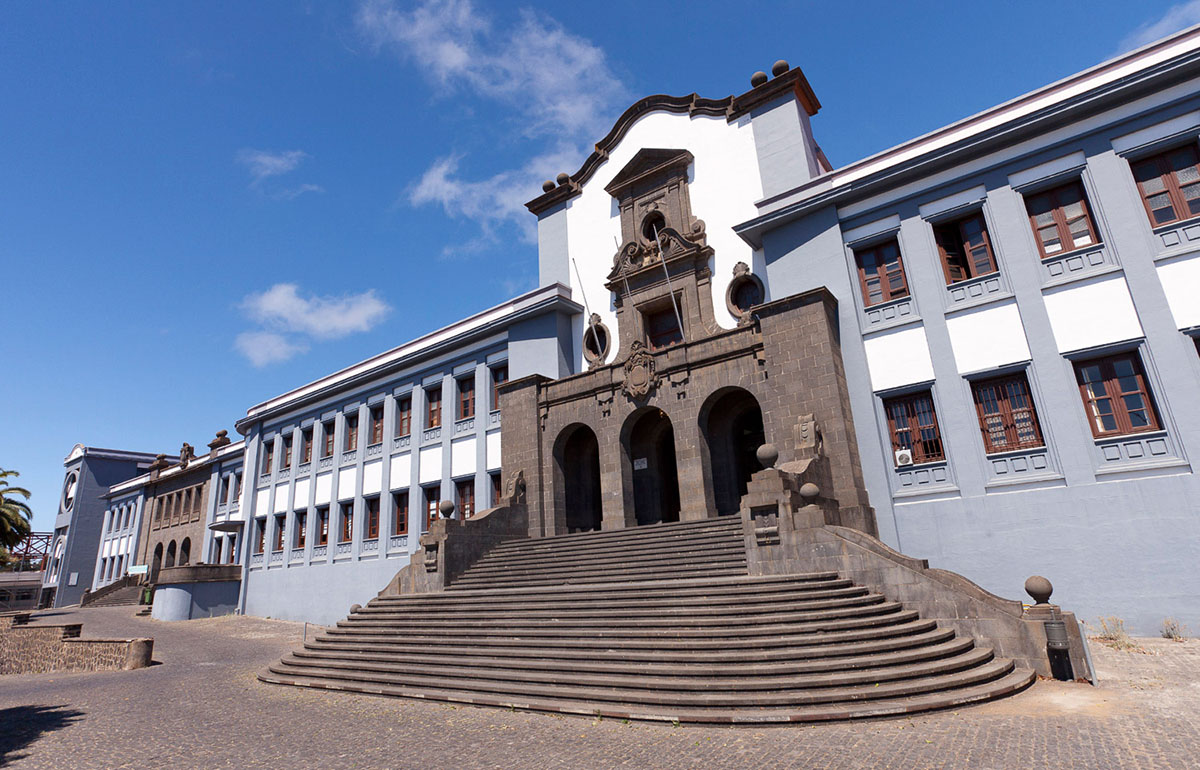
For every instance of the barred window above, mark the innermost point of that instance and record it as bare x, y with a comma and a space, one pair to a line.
913, 426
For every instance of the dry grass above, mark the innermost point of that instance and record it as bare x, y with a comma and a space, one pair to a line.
1174, 630
1112, 632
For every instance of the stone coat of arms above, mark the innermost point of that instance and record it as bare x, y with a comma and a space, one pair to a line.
640, 376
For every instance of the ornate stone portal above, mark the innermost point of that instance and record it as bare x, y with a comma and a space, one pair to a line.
674, 412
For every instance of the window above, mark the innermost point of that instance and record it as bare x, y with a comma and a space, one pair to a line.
662, 328
323, 525
466, 398
495, 477
433, 408
881, 273
1007, 418
376, 425
1169, 184
351, 433
347, 513
404, 416
1115, 395
268, 455
499, 377
465, 492
433, 496
277, 543
913, 426
965, 248
372, 517
400, 513
287, 453
327, 439
301, 530
306, 441
1061, 219
225, 484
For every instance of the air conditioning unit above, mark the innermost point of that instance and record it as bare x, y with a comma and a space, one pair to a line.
904, 457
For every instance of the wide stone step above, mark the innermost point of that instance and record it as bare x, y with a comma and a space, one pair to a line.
716, 587
605, 558
771, 697
1008, 684
590, 578
650, 648
614, 562
641, 534
688, 541
926, 647
662, 683
833, 608
626, 608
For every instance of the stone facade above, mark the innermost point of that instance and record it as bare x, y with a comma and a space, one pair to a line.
39, 649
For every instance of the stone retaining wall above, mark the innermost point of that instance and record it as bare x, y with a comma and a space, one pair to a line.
26, 649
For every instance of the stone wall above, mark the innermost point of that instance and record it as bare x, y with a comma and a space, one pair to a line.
26, 649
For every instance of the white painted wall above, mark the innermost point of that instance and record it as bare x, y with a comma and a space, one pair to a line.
401, 471
301, 499
462, 457
1092, 313
431, 465
898, 358
373, 477
324, 487
1181, 282
261, 500
987, 338
493, 450
346, 479
723, 184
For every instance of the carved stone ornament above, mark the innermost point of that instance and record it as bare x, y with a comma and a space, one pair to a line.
515, 488
186, 455
640, 376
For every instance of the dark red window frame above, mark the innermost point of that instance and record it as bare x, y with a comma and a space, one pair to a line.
327, 436
1163, 170
662, 328
351, 433
466, 398
347, 524
1053, 199
433, 497
1116, 395
301, 528
403, 416
433, 407
464, 491
268, 455
323, 525
400, 513
913, 425
277, 541
376, 425
499, 377
881, 266
306, 441
372, 517
1007, 416
965, 248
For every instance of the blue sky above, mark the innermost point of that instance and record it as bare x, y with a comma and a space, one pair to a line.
203, 205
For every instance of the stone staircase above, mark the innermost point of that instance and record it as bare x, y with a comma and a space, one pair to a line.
124, 591
657, 623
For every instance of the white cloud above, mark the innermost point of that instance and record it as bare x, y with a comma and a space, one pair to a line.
263, 348
555, 83
264, 164
289, 321
1176, 18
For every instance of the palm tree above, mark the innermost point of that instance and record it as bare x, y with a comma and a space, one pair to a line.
14, 514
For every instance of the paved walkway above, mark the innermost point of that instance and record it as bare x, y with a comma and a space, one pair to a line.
203, 708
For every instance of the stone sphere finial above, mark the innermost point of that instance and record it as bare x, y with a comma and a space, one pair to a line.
447, 509
355, 608
1039, 588
222, 433
563, 178
548, 185
780, 67
809, 491
758, 79
767, 454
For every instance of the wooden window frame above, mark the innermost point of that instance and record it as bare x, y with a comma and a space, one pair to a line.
1006, 389
287, 453
885, 275
917, 445
465, 386
376, 417
371, 517
1171, 184
400, 513
301, 519
433, 407
351, 442
1060, 220
280, 525
432, 513
346, 524
953, 229
268, 461
497, 487
499, 376
306, 446
328, 438
404, 416
1113, 393
322, 532
260, 542
464, 497
661, 339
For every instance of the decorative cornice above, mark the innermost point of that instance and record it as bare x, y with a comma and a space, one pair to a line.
730, 108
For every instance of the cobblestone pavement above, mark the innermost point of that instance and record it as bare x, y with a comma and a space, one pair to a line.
203, 708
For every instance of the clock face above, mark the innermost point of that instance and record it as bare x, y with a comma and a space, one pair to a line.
69, 491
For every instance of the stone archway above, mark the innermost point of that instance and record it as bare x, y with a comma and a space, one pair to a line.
185, 551
731, 431
156, 563
170, 562
650, 452
577, 457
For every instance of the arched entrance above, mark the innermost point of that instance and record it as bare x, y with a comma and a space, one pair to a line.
185, 551
170, 555
651, 453
731, 426
578, 460
156, 564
